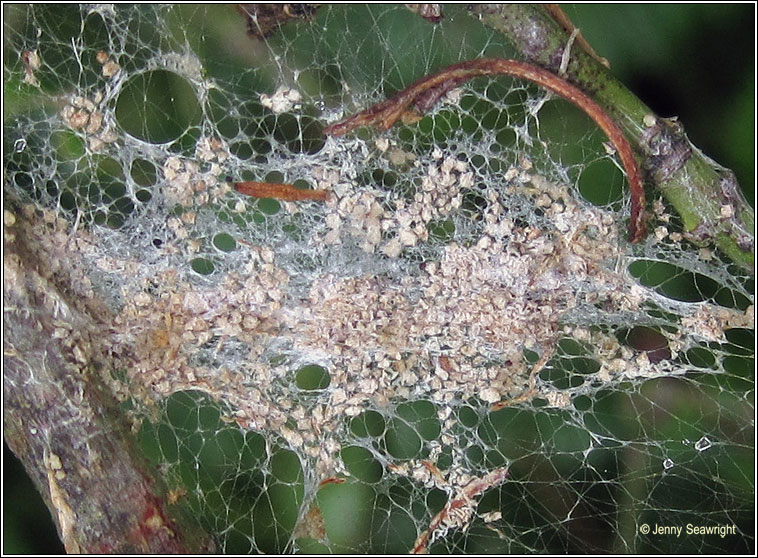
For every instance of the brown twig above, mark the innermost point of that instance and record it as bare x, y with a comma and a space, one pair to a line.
263, 20
285, 192
426, 91
459, 510
557, 13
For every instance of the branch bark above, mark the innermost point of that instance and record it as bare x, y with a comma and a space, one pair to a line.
65, 427
706, 195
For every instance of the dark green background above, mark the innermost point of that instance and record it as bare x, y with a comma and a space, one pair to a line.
691, 61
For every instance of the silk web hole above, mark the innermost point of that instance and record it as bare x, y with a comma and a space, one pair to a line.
312, 377
157, 106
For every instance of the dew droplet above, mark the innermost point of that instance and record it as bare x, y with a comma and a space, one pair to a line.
703, 444
19, 145
668, 464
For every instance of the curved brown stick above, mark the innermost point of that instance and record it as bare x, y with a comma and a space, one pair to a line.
459, 510
285, 192
426, 91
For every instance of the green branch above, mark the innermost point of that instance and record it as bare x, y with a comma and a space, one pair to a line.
706, 195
